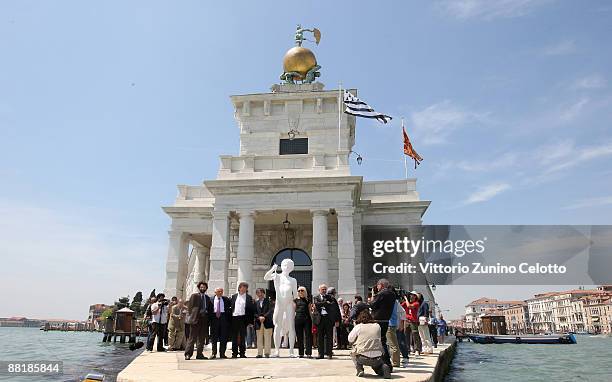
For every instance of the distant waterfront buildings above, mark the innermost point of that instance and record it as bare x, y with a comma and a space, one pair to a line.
576, 310
19, 322
50, 324
477, 308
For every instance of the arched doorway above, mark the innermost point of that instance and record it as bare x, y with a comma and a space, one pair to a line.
302, 271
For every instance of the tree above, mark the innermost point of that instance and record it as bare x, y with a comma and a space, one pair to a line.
123, 302
107, 313
136, 305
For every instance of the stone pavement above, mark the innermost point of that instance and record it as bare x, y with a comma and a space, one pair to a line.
171, 366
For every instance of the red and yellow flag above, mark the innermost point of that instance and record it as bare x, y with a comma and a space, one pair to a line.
409, 150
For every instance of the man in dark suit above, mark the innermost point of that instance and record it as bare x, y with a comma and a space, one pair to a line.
382, 305
263, 323
220, 323
199, 308
243, 313
327, 306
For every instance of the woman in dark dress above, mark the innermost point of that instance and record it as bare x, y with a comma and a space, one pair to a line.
345, 327
303, 323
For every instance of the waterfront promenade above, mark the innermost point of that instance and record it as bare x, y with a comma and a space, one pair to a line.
171, 366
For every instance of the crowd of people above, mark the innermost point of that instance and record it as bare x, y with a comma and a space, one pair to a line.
380, 331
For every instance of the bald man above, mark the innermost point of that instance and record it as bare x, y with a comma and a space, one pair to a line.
220, 323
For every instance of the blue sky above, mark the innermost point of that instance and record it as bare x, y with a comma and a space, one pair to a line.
106, 107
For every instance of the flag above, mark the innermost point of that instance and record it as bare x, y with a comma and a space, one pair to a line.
408, 150
358, 108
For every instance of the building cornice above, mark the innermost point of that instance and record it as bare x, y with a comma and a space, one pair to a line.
281, 185
188, 212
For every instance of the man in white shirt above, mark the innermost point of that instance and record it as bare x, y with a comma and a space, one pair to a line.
243, 313
159, 317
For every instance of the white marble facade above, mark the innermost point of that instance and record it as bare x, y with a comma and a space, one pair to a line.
229, 229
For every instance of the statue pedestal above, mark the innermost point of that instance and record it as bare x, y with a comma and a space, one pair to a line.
292, 88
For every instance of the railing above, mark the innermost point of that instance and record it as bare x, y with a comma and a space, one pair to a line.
292, 165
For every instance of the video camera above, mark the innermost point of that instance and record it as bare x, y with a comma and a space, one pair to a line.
164, 302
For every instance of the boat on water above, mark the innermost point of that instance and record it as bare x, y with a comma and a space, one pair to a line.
523, 339
93, 377
581, 333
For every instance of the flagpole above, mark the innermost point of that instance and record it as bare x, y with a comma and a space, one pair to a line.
405, 162
339, 112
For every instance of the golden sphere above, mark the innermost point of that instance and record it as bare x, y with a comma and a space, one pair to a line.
299, 59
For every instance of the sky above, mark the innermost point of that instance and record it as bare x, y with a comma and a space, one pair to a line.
105, 107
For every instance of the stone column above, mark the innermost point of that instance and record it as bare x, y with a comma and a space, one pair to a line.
199, 267
320, 250
176, 263
219, 251
246, 248
347, 282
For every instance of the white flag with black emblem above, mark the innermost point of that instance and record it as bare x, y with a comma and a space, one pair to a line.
358, 108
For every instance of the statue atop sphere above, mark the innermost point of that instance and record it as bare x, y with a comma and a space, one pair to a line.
299, 63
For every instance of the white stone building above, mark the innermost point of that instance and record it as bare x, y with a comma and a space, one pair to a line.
288, 193
558, 311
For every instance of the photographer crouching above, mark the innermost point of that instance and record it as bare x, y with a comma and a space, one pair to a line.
367, 349
382, 306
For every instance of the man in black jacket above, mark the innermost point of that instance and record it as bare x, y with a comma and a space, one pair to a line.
263, 323
220, 323
327, 306
382, 306
199, 309
358, 307
243, 313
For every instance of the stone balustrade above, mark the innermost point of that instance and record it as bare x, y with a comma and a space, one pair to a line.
290, 166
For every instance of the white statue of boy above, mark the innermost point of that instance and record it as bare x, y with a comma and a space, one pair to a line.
284, 309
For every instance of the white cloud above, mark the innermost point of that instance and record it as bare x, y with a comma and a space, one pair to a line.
581, 155
490, 9
486, 192
553, 152
594, 81
590, 202
561, 48
574, 110
505, 160
436, 122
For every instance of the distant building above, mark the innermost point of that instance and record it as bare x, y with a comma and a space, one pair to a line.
95, 313
574, 310
597, 313
19, 322
475, 309
540, 312
577, 323
517, 318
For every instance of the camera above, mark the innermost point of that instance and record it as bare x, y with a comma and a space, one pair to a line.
374, 290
